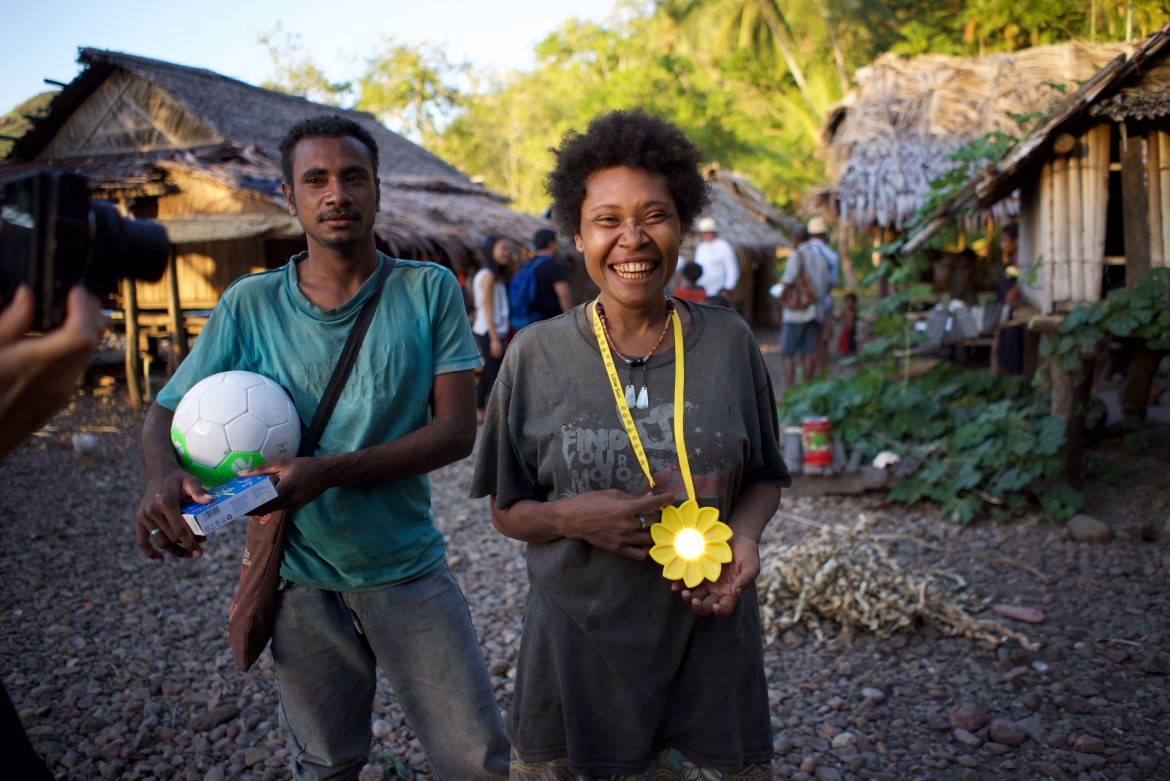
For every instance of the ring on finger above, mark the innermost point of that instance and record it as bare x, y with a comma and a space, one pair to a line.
155, 532
642, 521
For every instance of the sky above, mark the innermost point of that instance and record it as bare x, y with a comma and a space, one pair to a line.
43, 36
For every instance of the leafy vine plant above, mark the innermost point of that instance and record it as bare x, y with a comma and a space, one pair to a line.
979, 445
1142, 312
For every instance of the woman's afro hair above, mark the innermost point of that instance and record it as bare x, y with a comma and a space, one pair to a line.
633, 139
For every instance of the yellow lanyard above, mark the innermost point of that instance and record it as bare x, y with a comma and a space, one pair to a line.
619, 398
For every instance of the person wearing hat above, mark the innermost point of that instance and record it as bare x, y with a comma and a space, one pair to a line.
816, 243
717, 258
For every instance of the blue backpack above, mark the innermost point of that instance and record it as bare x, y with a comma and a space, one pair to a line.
523, 300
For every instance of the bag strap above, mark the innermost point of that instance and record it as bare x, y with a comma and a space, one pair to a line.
344, 363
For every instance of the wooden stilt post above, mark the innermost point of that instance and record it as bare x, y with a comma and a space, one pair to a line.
178, 349
133, 366
1135, 203
1070, 400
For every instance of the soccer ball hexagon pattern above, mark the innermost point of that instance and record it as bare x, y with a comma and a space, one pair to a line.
233, 421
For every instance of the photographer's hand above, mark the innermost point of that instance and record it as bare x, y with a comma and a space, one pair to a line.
38, 373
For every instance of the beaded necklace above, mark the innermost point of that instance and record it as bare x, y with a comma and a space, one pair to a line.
643, 398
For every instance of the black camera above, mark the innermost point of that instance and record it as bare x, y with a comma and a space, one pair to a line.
52, 237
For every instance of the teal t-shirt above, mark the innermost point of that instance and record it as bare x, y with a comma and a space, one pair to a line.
353, 537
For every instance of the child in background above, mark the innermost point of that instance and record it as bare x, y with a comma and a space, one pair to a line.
689, 290
847, 340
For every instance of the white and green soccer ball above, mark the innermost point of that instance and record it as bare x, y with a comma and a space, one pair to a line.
233, 421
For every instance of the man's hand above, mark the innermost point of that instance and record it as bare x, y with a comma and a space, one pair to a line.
158, 524
720, 598
298, 482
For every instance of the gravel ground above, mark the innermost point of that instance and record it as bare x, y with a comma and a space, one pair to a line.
120, 668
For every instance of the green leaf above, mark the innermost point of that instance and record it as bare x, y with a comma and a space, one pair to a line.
1062, 501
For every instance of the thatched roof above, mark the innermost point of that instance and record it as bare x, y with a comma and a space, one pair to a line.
893, 134
743, 214
1133, 86
430, 209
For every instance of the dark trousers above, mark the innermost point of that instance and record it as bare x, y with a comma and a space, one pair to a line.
491, 368
17, 757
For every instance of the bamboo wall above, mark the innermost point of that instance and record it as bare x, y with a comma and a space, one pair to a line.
1158, 181
205, 269
1063, 223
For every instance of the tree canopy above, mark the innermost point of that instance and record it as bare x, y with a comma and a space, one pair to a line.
749, 80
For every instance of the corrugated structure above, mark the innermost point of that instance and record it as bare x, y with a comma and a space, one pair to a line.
200, 152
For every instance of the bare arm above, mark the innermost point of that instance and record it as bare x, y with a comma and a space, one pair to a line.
565, 298
605, 519
447, 438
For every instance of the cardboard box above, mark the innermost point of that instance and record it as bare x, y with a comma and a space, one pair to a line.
233, 499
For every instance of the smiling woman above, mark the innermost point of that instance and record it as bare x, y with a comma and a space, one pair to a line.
614, 670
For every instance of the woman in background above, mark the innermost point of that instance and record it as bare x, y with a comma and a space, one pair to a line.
490, 298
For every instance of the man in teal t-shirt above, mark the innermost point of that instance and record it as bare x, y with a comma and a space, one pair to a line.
364, 576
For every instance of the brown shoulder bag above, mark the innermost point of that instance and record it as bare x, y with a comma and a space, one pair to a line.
253, 612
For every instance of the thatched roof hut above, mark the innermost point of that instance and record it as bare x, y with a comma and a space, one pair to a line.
891, 136
1080, 211
756, 229
143, 129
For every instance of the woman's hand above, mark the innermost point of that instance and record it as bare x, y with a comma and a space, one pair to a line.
720, 597
611, 520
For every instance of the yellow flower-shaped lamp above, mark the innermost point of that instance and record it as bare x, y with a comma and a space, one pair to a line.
690, 542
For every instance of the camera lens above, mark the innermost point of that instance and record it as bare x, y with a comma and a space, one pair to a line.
123, 249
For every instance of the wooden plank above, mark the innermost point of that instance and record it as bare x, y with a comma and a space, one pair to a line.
1076, 227
1095, 204
1163, 137
1135, 203
1029, 232
1048, 269
178, 349
1061, 260
133, 364
1154, 197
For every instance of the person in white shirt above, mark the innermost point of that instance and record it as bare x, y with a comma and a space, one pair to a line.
717, 258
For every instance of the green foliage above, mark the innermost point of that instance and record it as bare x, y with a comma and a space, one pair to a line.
397, 767
978, 444
750, 81
16, 123
1143, 312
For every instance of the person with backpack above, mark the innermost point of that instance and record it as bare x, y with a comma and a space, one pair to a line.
816, 243
540, 288
800, 319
